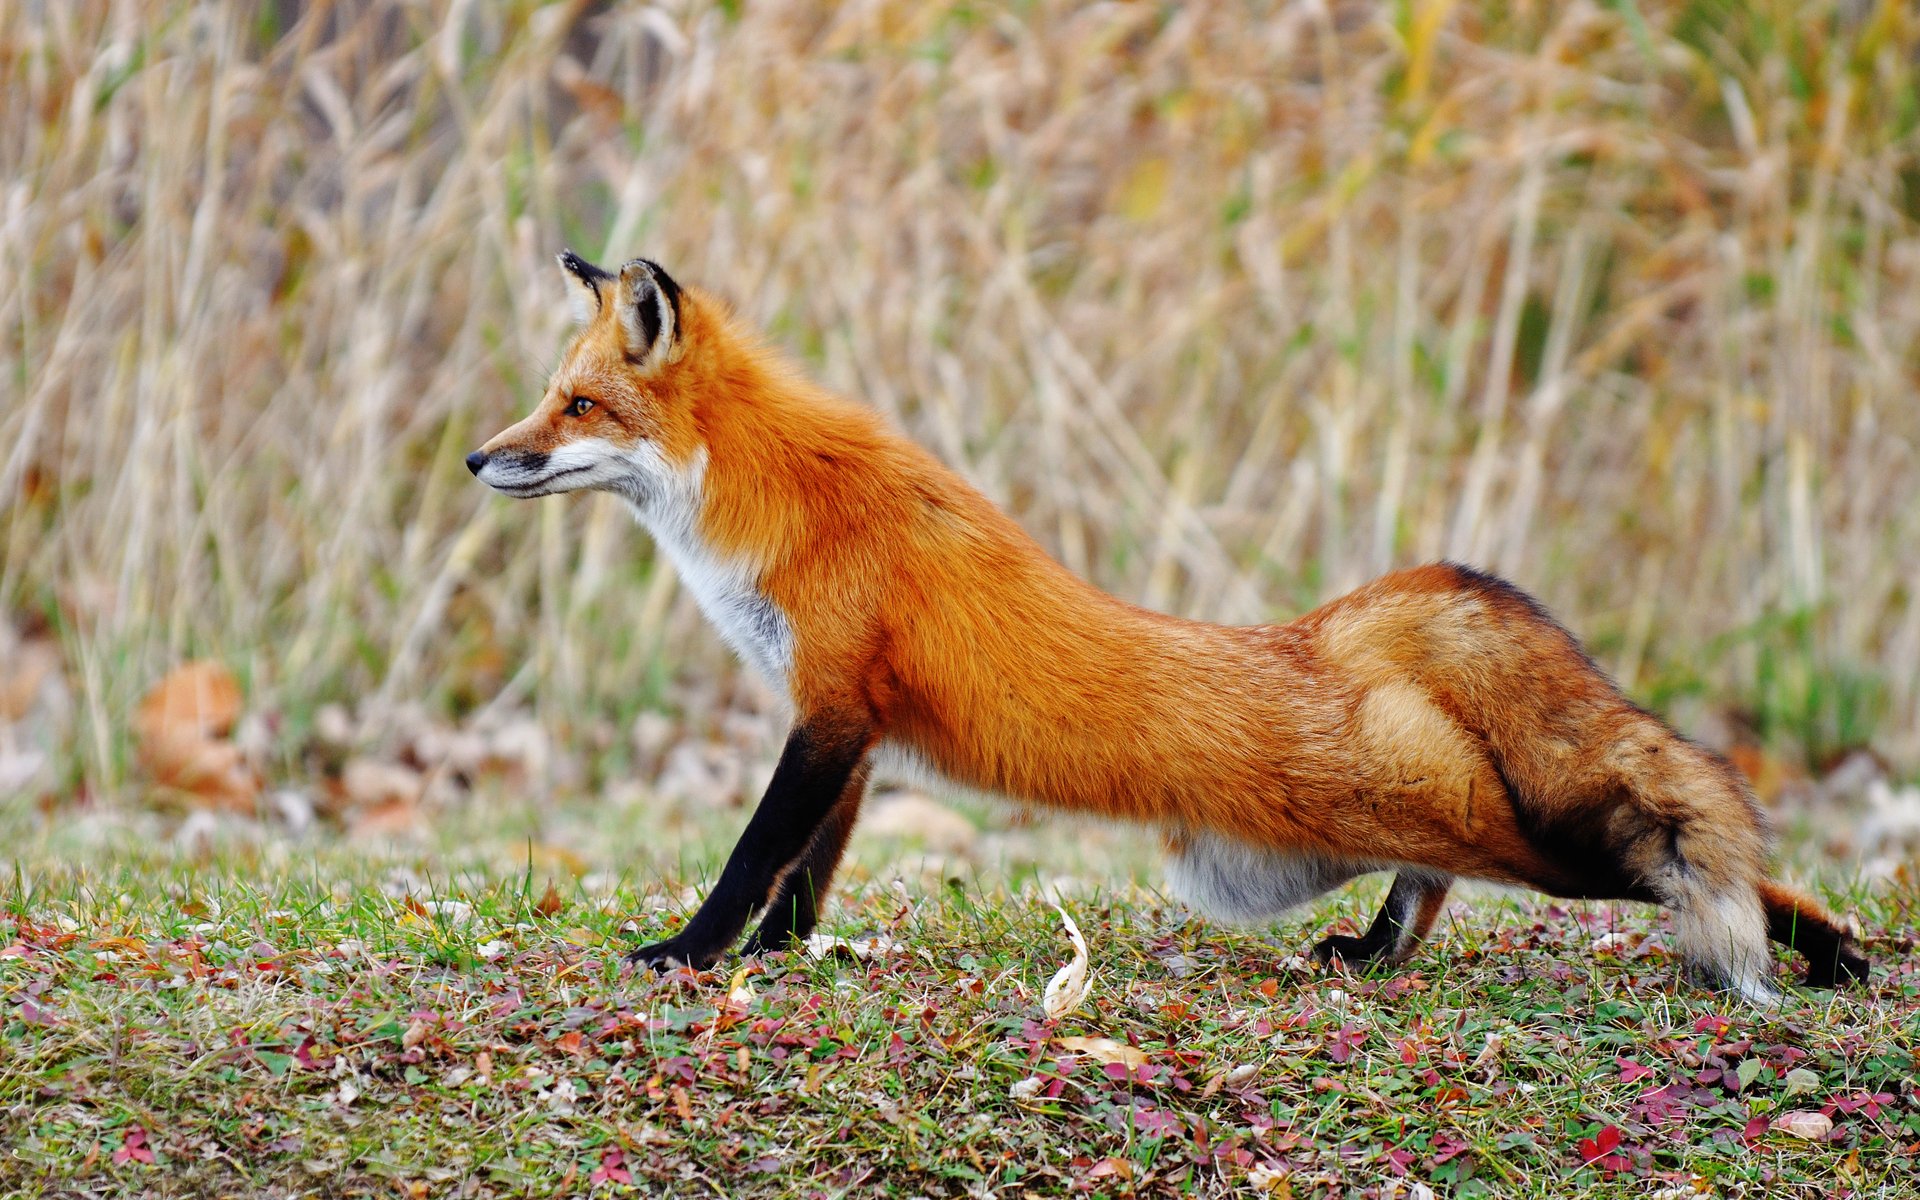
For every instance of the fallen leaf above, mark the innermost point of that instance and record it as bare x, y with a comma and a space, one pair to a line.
198, 699
387, 819
1803, 1123
549, 902
1026, 1089
415, 1034
1111, 1166
820, 945
1105, 1050
611, 1169
369, 782
133, 1148
1800, 1079
181, 730
1600, 1145
1070, 985
28, 666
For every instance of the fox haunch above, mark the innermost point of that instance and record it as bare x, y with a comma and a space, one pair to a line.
1436, 722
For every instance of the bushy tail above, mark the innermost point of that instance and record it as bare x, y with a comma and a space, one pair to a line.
1797, 920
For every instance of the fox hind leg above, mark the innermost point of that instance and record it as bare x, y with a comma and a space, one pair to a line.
1688, 831
1404, 920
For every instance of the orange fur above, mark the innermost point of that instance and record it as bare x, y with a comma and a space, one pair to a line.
1434, 718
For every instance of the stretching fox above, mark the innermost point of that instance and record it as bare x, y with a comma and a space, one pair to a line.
1437, 721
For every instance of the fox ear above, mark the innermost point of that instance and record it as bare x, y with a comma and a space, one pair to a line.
587, 286
649, 308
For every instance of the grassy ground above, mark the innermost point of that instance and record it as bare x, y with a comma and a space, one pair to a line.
299, 1020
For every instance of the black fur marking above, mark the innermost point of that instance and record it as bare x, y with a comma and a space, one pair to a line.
655, 306
648, 309
668, 288
1832, 958
1393, 935
1499, 592
585, 272
1382, 937
795, 907
814, 771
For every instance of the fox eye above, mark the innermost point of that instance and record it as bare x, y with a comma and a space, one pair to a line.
580, 406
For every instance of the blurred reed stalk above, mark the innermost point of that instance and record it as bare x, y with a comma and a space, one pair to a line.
1233, 305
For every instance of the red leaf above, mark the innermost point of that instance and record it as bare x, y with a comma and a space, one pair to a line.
133, 1148
1631, 1071
1600, 1145
610, 1169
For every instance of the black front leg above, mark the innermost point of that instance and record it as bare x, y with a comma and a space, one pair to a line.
820, 757
795, 906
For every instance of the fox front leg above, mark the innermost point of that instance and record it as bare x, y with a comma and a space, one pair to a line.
819, 762
795, 906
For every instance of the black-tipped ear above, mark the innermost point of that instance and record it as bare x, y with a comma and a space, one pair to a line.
649, 306
586, 285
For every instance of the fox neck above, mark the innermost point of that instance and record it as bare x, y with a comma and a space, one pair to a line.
724, 582
769, 446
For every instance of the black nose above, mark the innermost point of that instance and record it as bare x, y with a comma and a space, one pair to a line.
476, 460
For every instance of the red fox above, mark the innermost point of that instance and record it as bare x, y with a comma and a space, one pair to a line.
1437, 722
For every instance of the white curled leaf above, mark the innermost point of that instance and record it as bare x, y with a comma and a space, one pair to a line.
1068, 988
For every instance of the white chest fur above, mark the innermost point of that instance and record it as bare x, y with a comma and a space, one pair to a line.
727, 591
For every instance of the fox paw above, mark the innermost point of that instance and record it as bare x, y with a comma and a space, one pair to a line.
664, 956
1353, 951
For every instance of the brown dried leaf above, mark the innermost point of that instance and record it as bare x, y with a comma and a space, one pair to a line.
197, 700
387, 819
549, 902
369, 782
209, 773
181, 729
1105, 1050
28, 667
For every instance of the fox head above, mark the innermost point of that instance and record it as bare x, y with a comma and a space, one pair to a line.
617, 415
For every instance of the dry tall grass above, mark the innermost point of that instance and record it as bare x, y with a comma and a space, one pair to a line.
1233, 305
